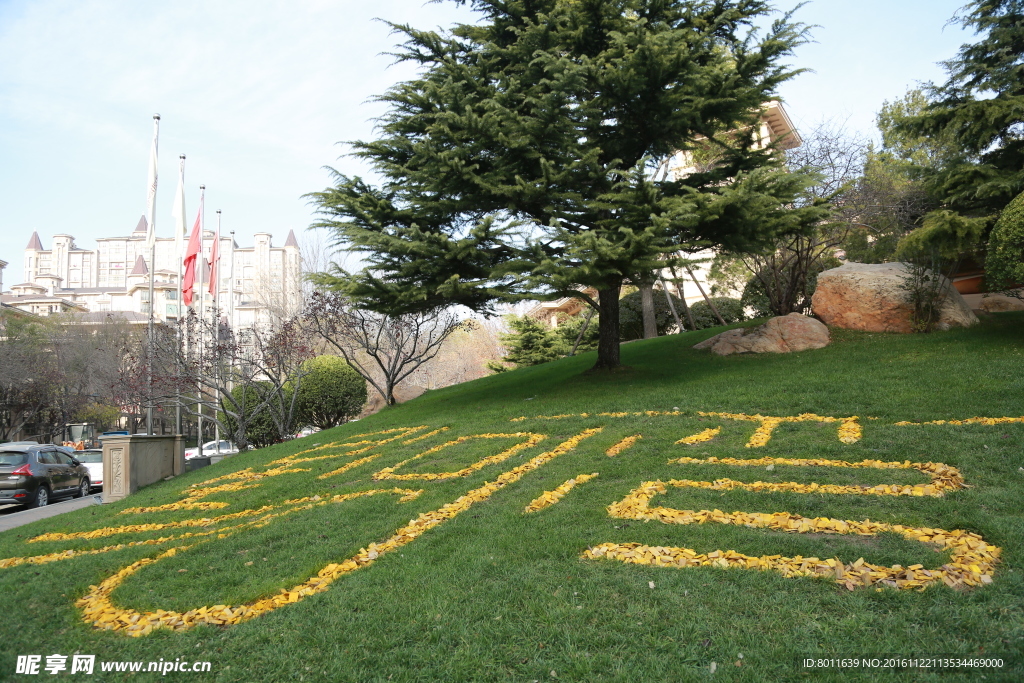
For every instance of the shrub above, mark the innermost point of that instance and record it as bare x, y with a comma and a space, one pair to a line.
331, 394
631, 318
1004, 263
731, 310
755, 301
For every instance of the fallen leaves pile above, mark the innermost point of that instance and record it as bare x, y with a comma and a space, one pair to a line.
944, 478
246, 480
971, 563
642, 413
399, 432
990, 421
99, 610
531, 440
549, 498
700, 437
849, 428
622, 445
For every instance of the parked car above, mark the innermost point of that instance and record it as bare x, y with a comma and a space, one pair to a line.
33, 475
210, 448
92, 458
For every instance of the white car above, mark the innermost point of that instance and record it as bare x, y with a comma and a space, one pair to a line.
210, 448
92, 458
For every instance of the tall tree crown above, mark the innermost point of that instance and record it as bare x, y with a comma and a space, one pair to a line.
521, 161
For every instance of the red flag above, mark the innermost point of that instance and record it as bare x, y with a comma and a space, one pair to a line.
215, 263
195, 245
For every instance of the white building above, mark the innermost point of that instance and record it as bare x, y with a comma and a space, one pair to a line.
256, 283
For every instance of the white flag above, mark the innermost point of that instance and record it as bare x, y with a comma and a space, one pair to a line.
151, 198
178, 214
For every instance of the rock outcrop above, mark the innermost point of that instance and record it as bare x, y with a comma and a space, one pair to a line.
793, 332
872, 297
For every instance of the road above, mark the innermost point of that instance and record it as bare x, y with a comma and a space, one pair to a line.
12, 516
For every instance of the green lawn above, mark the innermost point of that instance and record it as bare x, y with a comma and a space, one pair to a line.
483, 591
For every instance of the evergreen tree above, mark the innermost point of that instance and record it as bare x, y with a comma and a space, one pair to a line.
530, 343
520, 163
979, 112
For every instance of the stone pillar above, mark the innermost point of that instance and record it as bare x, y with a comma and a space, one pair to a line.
133, 461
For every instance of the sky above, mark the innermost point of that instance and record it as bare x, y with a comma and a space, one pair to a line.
261, 94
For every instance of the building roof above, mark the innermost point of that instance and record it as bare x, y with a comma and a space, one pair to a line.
781, 126
34, 242
38, 299
291, 241
103, 316
140, 266
143, 226
95, 290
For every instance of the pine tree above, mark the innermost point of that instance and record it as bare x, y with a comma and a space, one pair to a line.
520, 163
979, 110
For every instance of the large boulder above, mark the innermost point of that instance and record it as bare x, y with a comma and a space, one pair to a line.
873, 297
793, 332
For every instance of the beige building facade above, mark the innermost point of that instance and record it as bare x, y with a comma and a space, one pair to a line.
255, 284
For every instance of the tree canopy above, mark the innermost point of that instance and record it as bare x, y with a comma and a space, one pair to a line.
975, 122
522, 161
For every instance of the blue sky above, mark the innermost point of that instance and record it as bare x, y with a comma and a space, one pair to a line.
258, 94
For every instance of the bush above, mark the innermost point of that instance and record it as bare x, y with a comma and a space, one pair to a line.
331, 394
731, 310
631, 317
755, 301
260, 430
1004, 263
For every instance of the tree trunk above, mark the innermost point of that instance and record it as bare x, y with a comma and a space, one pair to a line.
647, 309
583, 331
608, 328
671, 306
710, 303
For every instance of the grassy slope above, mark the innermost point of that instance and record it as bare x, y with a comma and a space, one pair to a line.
498, 595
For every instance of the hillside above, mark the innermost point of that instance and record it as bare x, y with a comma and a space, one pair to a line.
452, 538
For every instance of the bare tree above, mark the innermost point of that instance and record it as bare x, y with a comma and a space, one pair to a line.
384, 349
463, 357
215, 374
786, 271
280, 352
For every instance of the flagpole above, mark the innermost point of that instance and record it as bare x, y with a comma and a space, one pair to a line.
215, 283
231, 286
202, 315
178, 241
151, 238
